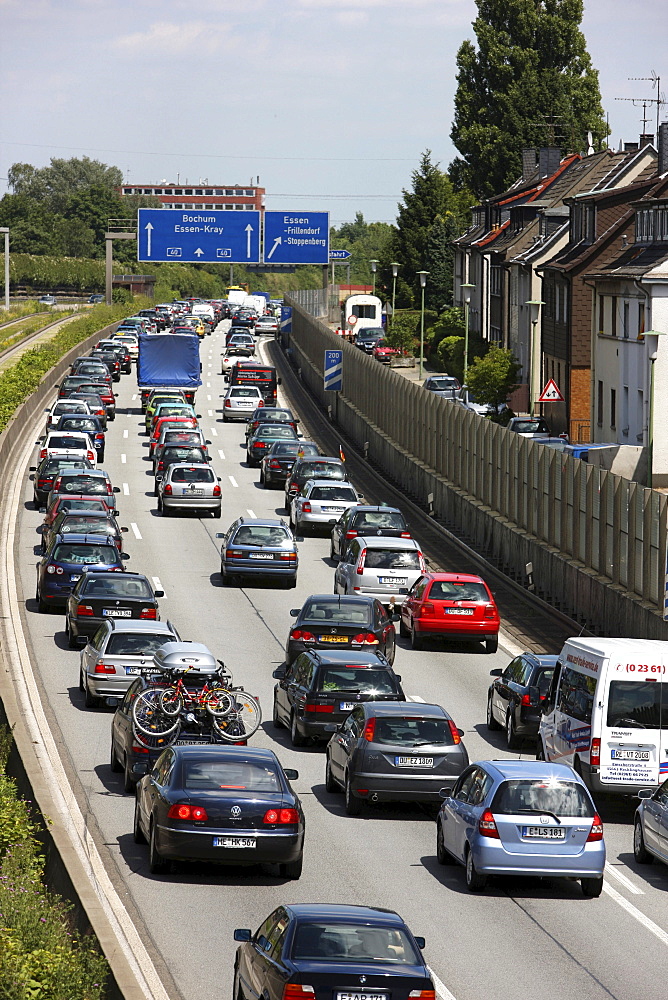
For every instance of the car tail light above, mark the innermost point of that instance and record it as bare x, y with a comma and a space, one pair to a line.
487, 825
99, 437
369, 730
312, 706
365, 638
183, 810
42, 453
59, 570
297, 991
160, 467
281, 816
216, 490
490, 611
259, 444
288, 556
427, 609
84, 611
526, 700
299, 635
595, 752
136, 748
167, 489
105, 668
306, 507
407, 534
148, 613
422, 994
454, 732
596, 832
228, 402
274, 464
360, 565
351, 534
233, 554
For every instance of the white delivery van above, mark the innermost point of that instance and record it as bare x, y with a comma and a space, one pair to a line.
606, 713
204, 309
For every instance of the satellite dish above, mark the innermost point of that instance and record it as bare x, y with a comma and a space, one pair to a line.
590, 144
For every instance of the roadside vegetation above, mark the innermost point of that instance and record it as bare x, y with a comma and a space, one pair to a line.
42, 957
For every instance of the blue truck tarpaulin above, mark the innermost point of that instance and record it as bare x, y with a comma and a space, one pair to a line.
169, 359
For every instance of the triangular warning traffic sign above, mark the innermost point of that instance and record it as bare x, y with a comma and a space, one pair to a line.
551, 393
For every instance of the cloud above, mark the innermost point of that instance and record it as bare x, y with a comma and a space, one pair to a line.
165, 38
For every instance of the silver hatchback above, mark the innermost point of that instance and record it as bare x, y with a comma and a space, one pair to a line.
189, 487
118, 651
240, 401
384, 568
321, 502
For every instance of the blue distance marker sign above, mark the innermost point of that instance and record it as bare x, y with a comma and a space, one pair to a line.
333, 372
286, 319
339, 254
296, 237
198, 235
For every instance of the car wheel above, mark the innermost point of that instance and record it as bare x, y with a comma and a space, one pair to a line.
512, 739
390, 654
296, 737
42, 606
72, 639
332, 556
492, 724
262, 482
113, 760
403, 631
292, 869
491, 645
278, 723
218, 513
416, 641
592, 887
330, 783
137, 832
82, 686
443, 856
353, 805
90, 701
156, 863
475, 882
165, 511
640, 852
128, 783
540, 750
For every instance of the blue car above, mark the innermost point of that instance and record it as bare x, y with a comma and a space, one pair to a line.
521, 817
65, 561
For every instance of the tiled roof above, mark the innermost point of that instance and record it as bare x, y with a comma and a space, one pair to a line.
632, 262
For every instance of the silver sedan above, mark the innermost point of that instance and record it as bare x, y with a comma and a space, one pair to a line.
240, 401
322, 502
189, 487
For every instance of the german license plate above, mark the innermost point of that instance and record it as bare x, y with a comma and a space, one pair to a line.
75, 576
240, 842
347, 706
333, 510
117, 612
131, 670
459, 611
193, 493
630, 754
544, 832
260, 555
397, 581
358, 995
332, 638
413, 761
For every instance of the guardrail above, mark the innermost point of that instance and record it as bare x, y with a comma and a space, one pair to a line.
596, 541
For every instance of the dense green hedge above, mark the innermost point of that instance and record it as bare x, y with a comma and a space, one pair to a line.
47, 273
18, 381
42, 957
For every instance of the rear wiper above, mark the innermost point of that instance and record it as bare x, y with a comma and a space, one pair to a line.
341, 690
628, 722
431, 743
537, 812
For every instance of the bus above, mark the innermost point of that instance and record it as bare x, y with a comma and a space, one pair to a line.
367, 310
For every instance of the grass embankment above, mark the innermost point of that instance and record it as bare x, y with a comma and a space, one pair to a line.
42, 957
20, 331
26, 308
18, 381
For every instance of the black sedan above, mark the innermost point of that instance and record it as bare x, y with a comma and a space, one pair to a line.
82, 521
268, 415
515, 695
342, 952
388, 522
49, 470
367, 339
226, 804
331, 621
276, 465
100, 595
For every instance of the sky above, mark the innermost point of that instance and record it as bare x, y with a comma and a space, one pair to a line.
329, 102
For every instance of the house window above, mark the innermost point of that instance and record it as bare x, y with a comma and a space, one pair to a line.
645, 225
662, 224
229, 193
613, 409
178, 190
228, 208
239, 208
250, 193
613, 319
127, 190
599, 405
198, 191
589, 223
148, 190
625, 410
601, 313
209, 191
496, 280
625, 328
641, 319
640, 417
187, 190
209, 206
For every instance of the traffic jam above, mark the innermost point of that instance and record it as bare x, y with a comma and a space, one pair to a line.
204, 754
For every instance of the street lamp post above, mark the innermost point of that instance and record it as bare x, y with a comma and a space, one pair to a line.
467, 289
534, 388
423, 282
374, 268
5, 230
395, 271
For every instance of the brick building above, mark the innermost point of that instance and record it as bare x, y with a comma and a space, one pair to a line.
202, 196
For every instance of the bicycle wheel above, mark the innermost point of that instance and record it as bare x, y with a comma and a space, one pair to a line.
219, 702
242, 722
171, 702
157, 742
149, 718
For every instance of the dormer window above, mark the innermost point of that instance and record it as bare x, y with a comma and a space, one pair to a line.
652, 225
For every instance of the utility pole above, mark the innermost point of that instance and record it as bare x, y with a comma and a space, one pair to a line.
5, 230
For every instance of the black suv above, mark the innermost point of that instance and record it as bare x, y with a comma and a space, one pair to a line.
100, 595
515, 696
367, 521
320, 689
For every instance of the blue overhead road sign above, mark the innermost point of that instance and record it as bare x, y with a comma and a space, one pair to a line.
339, 254
198, 235
333, 370
296, 237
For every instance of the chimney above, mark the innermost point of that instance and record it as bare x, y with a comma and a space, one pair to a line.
528, 163
646, 139
662, 165
629, 147
549, 158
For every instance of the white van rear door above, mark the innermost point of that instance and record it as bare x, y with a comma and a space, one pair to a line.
634, 725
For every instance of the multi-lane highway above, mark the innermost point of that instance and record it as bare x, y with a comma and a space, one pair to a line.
517, 939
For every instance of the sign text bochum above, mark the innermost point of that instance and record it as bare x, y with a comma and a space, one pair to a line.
169, 234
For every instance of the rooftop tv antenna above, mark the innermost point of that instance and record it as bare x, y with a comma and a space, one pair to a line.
659, 100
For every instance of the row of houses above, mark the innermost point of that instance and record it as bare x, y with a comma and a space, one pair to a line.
569, 269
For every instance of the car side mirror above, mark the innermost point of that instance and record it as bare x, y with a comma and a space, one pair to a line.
398, 676
445, 792
294, 612
645, 793
279, 381
42, 510
279, 673
158, 593
33, 468
461, 732
124, 528
497, 672
290, 773
242, 934
420, 942
117, 489
395, 617
534, 697
125, 555
207, 442
116, 513
220, 534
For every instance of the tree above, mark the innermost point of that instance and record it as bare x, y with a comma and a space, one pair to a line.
529, 83
492, 377
57, 183
440, 261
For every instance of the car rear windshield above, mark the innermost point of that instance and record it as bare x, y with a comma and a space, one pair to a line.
182, 437
353, 943
84, 484
293, 448
176, 453
240, 393
638, 705
69, 406
352, 612
93, 398
86, 555
62, 442
272, 536
113, 586
535, 796
366, 680
391, 559
79, 424
376, 520
197, 474
444, 590
87, 525
82, 504
230, 776
332, 493
529, 426
443, 383
321, 470
275, 431
55, 465
412, 732
136, 644
172, 411
265, 416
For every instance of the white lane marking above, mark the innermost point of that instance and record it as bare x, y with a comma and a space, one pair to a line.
233, 480
134, 397
125, 433
124, 459
210, 412
158, 586
636, 913
221, 453
208, 385
626, 882
441, 988
136, 530
251, 513
209, 397
126, 490
416, 697
214, 432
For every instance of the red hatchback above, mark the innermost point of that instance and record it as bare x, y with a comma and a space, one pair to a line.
451, 605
